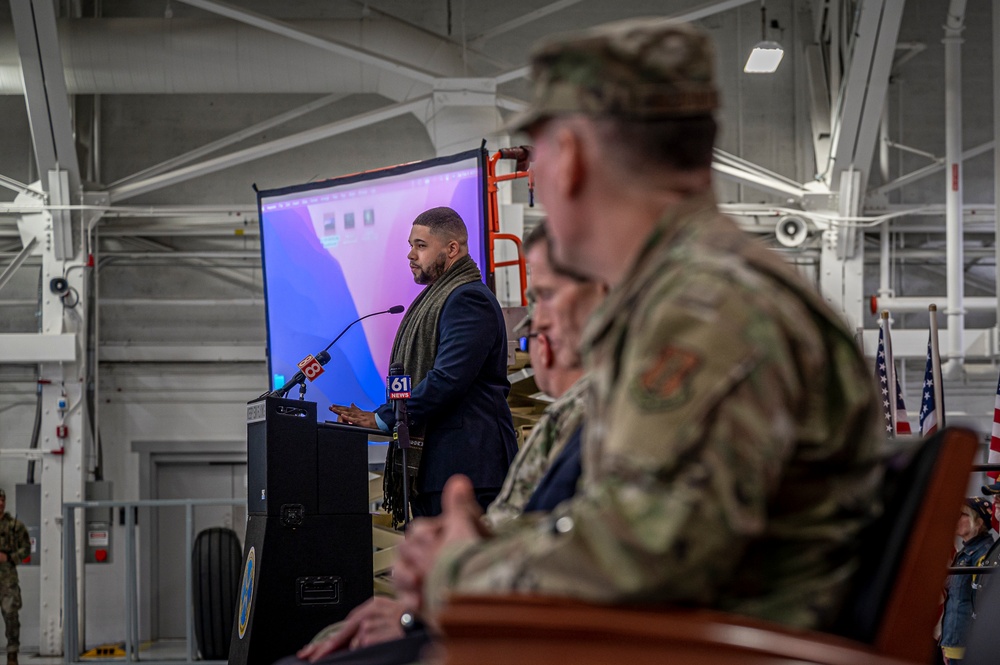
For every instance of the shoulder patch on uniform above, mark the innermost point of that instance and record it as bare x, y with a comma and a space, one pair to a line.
665, 381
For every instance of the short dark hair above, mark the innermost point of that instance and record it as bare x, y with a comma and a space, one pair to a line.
540, 234
680, 143
444, 222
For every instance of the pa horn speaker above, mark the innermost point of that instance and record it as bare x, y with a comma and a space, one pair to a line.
791, 231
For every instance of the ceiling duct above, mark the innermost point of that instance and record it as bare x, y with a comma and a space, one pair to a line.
192, 56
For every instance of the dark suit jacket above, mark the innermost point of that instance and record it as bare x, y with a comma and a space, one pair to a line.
462, 402
559, 482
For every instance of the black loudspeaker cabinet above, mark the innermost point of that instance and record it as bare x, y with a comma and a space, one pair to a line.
307, 560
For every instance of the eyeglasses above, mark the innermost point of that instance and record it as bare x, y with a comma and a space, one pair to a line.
524, 342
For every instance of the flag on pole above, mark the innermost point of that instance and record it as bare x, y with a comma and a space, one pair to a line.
882, 376
994, 456
902, 420
885, 375
935, 364
928, 406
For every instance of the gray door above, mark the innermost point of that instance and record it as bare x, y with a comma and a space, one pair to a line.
189, 481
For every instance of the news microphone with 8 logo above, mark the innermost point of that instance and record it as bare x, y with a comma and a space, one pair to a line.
311, 367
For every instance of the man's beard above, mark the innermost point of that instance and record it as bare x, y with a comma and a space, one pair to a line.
433, 272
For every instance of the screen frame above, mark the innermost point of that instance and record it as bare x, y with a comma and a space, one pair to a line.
481, 155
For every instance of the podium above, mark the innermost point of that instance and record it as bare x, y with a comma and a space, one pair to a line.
307, 560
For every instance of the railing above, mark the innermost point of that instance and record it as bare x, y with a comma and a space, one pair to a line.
71, 638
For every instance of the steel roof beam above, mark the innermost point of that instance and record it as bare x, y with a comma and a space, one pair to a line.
930, 169
45, 88
340, 48
863, 91
524, 19
272, 147
701, 11
235, 137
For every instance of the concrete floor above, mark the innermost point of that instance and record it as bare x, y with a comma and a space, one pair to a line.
150, 653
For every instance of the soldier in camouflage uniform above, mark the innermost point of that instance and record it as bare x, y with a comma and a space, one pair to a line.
731, 454
14, 548
561, 303
548, 437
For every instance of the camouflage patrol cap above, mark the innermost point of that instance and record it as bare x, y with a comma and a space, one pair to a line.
643, 69
3, 495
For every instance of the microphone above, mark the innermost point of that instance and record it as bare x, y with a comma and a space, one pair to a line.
395, 309
311, 366
397, 384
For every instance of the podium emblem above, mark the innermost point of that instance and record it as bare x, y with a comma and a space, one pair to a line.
246, 593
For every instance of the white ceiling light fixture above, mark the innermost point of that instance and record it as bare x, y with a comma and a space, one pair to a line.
767, 54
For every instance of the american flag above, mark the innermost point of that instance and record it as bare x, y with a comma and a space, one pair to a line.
928, 410
882, 376
902, 420
994, 456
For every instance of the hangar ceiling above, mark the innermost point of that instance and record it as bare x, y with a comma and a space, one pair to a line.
268, 82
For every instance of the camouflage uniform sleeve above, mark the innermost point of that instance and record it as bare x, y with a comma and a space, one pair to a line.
680, 470
525, 471
547, 439
21, 542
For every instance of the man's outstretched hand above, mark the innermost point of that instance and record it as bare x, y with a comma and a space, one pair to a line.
352, 415
459, 522
373, 622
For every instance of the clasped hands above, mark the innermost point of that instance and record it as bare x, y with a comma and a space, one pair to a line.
460, 522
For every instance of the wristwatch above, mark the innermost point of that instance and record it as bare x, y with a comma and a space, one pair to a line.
410, 622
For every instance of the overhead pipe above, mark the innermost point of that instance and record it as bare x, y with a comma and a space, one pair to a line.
213, 56
885, 267
914, 304
955, 310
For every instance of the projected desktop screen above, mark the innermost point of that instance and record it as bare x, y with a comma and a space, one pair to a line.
335, 251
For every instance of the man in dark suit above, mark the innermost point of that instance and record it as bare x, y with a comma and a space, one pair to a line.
453, 343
